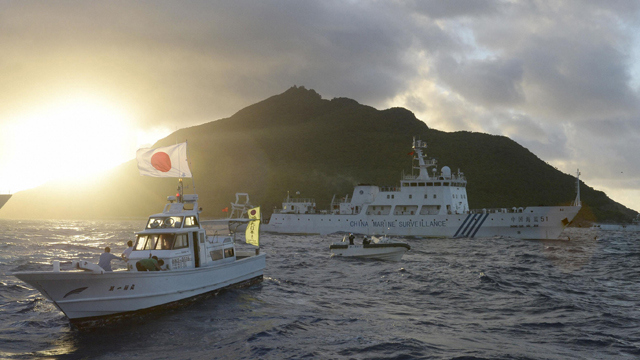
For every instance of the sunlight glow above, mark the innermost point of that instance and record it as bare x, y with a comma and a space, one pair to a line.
70, 138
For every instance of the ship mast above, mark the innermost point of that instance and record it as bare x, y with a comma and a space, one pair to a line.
419, 149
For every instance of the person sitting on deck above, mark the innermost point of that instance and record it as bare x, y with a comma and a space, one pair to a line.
150, 264
351, 237
366, 240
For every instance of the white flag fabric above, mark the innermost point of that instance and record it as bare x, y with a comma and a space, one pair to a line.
167, 161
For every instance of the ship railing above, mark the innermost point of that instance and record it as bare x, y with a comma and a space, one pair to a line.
389, 188
437, 178
299, 200
497, 211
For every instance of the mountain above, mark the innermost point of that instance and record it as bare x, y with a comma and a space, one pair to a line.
297, 141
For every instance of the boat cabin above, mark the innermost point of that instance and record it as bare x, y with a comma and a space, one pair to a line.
175, 236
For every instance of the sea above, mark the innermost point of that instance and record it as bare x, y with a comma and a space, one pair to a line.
482, 298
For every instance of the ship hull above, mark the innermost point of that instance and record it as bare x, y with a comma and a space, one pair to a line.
541, 222
82, 295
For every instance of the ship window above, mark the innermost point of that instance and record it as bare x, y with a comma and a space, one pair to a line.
414, 184
166, 241
445, 184
392, 196
216, 255
387, 196
410, 196
437, 184
146, 242
434, 196
429, 184
420, 184
426, 196
190, 221
228, 252
181, 242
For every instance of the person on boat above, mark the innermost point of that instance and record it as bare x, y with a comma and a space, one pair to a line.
105, 259
366, 240
351, 237
127, 251
150, 264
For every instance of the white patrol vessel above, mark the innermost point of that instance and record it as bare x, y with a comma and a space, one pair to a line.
426, 205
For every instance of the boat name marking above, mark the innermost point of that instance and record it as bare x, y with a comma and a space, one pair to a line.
529, 219
126, 287
398, 223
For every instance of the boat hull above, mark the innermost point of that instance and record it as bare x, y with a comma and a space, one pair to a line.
388, 252
541, 222
83, 295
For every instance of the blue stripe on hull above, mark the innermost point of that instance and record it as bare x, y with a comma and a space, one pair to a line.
480, 225
461, 226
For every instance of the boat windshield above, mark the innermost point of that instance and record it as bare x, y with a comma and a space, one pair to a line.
161, 242
164, 222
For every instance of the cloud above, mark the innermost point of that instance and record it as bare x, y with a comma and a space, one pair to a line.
560, 77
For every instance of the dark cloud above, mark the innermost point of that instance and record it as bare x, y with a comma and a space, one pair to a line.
437, 9
488, 82
541, 72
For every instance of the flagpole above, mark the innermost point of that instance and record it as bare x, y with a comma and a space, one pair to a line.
193, 181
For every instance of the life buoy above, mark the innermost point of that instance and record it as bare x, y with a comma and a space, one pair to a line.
169, 221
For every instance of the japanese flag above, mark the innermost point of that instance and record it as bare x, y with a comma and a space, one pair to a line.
168, 161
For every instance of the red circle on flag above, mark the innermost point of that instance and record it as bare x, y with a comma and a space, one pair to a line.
161, 161
253, 212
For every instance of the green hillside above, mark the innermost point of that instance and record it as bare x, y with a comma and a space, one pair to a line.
297, 141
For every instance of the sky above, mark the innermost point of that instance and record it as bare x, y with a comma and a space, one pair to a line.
83, 84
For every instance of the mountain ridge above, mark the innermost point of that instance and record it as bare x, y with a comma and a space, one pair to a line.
297, 141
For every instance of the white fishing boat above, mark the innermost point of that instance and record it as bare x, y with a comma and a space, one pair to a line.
634, 226
425, 205
195, 263
380, 248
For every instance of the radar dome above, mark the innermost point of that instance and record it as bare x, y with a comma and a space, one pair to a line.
446, 172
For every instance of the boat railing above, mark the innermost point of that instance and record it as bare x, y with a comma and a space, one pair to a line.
453, 177
497, 211
299, 200
389, 188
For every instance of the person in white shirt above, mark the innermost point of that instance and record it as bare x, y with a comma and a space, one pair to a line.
127, 252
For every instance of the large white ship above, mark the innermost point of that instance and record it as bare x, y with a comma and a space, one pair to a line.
425, 205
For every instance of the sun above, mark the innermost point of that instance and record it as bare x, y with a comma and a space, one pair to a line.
68, 138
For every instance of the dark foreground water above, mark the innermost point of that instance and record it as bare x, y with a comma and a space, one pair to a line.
493, 298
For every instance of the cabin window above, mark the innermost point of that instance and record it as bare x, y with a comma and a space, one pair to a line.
181, 242
434, 196
420, 184
165, 222
437, 184
414, 184
216, 254
146, 242
445, 184
166, 242
228, 252
392, 196
410, 196
190, 221
429, 184
426, 196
